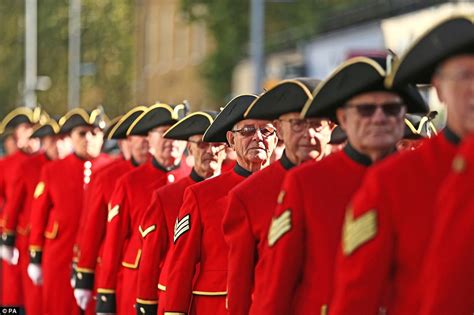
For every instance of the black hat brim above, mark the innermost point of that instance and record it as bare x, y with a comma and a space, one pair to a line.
49, 129
232, 113
119, 130
76, 117
17, 117
355, 76
193, 124
449, 38
155, 116
286, 97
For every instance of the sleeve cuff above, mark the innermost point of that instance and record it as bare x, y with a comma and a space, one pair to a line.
105, 301
36, 256
84, 279
146, 307
8, 239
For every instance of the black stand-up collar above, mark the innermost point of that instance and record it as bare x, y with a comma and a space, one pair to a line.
356, 156
79, 157
157, 165
195, 176
134, 162
451, 136
285, 162
241, 171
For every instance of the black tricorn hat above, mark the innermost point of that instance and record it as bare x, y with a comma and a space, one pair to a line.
454, 36
338, 136
22, 115
355, 76
194, 124
79, 117
231, 114
419, 126
50, 128
286, 97
156, 115
119, 130
110, 126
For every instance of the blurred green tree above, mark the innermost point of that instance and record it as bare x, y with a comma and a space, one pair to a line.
107, 53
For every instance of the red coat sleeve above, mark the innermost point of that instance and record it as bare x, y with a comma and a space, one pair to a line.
242, 256
91, 238
283, 253
448, 274
118, 227
185, 255
13, 209
154, 243
41, 207
366, 253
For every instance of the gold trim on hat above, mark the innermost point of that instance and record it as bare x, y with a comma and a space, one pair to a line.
186, 118
158, 105
388, 82
125, 117
75, 111
341, 67
284, 82
223, 108
14, 113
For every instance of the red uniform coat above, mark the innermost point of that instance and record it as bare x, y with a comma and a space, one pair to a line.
156, 229
54, 222
94, 223
304, 235
198, 239
90, 242
129, 201
387, 229
17, 223
13, 290
90, 173
449, 269
245, 227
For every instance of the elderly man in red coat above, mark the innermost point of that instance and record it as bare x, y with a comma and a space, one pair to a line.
157, 225
305, 232
198, 237
390, 221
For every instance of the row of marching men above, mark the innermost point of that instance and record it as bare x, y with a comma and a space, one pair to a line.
363, 230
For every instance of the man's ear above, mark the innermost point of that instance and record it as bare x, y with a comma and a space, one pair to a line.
279, 131
435, 82
230, 138
189, 147
341, 117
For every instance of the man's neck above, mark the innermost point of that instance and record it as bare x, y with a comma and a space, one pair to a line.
167, 162
252, 166
377, 155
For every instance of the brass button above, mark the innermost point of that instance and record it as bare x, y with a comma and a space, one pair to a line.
459, 164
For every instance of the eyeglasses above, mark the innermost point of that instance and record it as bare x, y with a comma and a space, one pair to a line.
249, 131
298, 125
205, 145
368, 110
